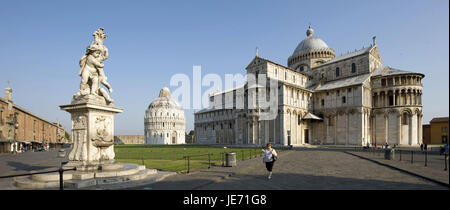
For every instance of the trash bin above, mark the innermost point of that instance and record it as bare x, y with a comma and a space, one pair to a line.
389, 154
230, 159
62, 153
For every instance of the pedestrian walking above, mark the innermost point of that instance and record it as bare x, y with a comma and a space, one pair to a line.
421, 147
269, 158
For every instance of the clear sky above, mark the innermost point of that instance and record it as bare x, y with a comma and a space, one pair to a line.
41, 43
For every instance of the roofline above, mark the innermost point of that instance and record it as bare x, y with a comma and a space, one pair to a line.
327, 63
34, 115
278, 65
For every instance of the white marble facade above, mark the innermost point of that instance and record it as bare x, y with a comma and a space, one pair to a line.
164, 121
351, 99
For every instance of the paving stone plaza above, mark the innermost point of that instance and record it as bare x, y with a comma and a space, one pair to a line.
297, 169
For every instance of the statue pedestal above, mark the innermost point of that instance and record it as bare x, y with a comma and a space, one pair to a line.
92, 130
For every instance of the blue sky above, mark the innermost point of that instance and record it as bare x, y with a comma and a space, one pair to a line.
41, 43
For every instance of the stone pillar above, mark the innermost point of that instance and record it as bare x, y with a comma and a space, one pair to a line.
92, 130
283, 127
399, 126
386, 126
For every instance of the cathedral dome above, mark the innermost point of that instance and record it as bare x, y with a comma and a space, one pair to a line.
310, 43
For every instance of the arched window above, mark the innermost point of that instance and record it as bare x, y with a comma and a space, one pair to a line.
337, 71
353, 68
343, 99
405, 118
302, 68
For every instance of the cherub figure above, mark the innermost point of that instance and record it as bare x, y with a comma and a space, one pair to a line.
91, 68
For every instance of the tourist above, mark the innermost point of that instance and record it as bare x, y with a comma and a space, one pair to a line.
270, 156
421, 147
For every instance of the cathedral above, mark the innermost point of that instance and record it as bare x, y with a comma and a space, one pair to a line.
351, 99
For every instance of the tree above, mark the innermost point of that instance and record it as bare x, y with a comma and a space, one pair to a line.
67, 136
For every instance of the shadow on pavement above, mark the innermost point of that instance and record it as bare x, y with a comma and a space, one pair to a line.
287, 181
18, 166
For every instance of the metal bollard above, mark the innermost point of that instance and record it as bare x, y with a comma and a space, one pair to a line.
412, 157
209, 161
250, 154
242, 154
188, 163
61, 180
223, 154
426, 158
445, 160
400, 155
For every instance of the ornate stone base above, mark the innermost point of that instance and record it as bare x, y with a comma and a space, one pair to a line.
118, 173
92, 131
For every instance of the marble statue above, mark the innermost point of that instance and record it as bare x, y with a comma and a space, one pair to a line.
91, 69
92, 110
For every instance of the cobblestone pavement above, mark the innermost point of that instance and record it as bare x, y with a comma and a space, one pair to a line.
22, 163
434, 169
300, 169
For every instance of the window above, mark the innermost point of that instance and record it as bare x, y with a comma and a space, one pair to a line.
337, 72
330, 121
322, 102
383, 82
444, 139
349, 90
353, 68
405, 119
391, 100
444, 129
343, 99
302, 68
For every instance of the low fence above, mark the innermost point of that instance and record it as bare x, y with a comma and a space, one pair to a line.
425, 158
182, 161
60, 171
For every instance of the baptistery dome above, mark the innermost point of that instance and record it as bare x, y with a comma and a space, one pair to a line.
164, 121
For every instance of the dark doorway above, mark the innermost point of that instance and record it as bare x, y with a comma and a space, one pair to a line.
289, 137
306, 136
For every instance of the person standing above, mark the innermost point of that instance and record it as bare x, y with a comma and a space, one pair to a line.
269, 158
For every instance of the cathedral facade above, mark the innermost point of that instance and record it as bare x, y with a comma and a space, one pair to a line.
351, 99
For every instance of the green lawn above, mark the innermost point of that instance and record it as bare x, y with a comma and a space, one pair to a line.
171, 157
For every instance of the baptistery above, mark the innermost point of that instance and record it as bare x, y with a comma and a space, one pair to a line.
164, 121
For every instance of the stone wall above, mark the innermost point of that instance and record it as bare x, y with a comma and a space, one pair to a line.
129, 139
